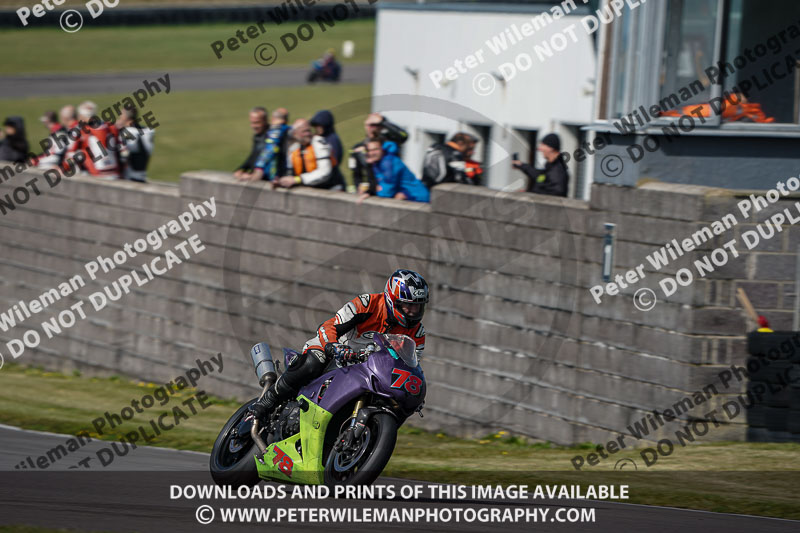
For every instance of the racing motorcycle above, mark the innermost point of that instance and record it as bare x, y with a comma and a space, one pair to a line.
340, 429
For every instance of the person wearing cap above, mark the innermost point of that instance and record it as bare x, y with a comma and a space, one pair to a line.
554, 177
451, 162
323, 125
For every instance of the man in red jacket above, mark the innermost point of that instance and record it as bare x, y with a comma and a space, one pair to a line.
99, 142
398, 310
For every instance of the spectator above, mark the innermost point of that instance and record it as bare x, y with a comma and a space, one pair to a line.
310, 160
554, 177
376, 126
14, 145
50, 121
326, 69
258, 123
271, 163
99, 142
322, 123
392, 178
447, 163
53, 157
473, 170
68, 116
135, 145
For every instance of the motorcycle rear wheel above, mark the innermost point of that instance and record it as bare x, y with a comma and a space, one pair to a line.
232, 463
365, 465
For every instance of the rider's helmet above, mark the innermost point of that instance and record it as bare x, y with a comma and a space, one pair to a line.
406, 294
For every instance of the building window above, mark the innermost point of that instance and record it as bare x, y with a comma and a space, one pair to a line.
484, 135
524, 145
754, 29
667, 58
690, 42
433, 137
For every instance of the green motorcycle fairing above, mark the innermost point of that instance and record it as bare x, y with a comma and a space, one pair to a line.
282, 460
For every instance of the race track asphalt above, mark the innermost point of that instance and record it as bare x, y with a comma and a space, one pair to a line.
133, 493
31, 85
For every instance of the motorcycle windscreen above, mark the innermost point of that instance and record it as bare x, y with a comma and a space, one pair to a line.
405, 348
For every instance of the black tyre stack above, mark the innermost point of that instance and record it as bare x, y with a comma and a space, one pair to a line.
774, 376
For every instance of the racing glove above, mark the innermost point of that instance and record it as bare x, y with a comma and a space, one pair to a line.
341, 353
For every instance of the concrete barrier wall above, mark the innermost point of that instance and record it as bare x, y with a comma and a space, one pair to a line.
515, 340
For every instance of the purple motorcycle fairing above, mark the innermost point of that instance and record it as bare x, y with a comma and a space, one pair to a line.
374, 376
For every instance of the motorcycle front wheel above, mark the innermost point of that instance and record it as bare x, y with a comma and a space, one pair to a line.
231, 461
362, 464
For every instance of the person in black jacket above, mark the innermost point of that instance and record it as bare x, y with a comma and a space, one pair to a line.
258, 122
14, 146
553, 179
323, 125
376, 126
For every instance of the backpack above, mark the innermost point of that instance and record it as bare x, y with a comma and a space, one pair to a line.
434, 166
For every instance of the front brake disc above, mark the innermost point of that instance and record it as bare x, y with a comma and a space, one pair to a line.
344, 462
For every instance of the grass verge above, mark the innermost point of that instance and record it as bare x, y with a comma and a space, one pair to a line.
155, 48
209, 129
746, 478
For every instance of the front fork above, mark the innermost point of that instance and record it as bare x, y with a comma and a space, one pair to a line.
358, 423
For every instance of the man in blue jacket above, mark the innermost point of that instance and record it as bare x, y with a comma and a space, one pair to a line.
392, 179
271, 162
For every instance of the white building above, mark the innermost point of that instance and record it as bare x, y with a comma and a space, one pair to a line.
508, 73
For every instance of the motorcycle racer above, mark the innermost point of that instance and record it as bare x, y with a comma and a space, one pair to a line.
398, 310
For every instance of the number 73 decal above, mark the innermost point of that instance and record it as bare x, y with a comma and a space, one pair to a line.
404, 380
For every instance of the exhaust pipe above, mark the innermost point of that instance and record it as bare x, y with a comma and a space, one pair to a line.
263, 363
265, 371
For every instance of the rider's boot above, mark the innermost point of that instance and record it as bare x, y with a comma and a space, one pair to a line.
301, 370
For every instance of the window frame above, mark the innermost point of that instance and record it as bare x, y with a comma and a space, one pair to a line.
648, 35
